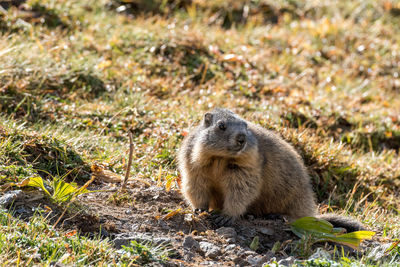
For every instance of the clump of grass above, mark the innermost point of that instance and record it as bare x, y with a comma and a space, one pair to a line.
46, 16
38, 243
26, 154
144, 253
42, 97
120, 198
377, 140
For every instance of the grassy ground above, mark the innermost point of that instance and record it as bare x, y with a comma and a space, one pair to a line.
76, 75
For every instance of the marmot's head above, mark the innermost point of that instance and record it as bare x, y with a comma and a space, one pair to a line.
226, 134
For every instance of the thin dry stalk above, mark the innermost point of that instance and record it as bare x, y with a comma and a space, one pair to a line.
128, 168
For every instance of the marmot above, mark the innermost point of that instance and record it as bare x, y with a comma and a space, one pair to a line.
237, 167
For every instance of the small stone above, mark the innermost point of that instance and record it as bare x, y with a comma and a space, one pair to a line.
128, 212
257, 260
188, 218
250, 252
228, 233
104, 232
287, 262
163, 224
378, 252
230, 247
9, 197
188, 255
266, 231
231, 240
190, 244
320, 254
21, 210
240, 262
210, 250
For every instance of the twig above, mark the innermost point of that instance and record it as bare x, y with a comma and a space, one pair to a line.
203, 76
62, 214
128, 168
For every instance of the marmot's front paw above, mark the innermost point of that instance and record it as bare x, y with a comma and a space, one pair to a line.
221, 220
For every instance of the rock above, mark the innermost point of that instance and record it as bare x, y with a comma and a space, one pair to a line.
320, 254
250, 252
240, 262
269, 254
231, 240
21, 211
125, 240
228, 233
9, 197
257, 260
163, 224
244, 252
104, 233
188, 218
210, 250
378, 252
128, 212
230, 247
190, 244
266, 231
287, 262
188, 255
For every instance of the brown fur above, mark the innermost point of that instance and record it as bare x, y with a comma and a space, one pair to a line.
266, 177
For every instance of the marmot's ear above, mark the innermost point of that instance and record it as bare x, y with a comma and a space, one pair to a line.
208, 117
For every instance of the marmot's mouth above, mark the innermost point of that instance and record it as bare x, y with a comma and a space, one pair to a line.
240, 148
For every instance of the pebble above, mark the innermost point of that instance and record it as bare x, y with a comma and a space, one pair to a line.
266, 231
210, 250
230, 247
128, 212
287, 262
188, 255
190, 243
320, 254
240, 262
257, 260
9, 197
227, 232
378, 252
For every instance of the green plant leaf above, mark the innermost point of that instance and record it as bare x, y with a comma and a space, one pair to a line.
37, 182
63, 191
255, 243
313, 224
319, 230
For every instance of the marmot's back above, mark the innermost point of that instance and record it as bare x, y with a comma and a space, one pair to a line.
286, 185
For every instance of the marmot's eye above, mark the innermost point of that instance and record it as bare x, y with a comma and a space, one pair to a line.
221, 125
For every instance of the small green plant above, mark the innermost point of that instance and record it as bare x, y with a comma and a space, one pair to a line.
120, 198
61, 191
312, 230
143, 253
255, 243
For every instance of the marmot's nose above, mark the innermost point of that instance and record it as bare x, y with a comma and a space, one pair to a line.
240, 139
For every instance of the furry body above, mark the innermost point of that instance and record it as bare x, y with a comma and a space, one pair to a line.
238, 167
